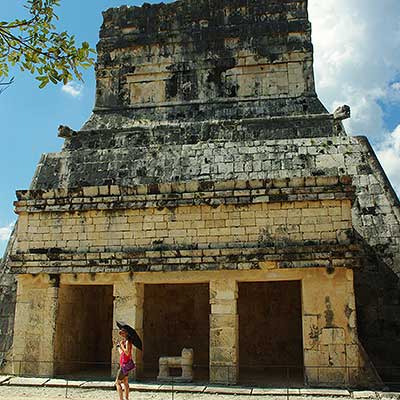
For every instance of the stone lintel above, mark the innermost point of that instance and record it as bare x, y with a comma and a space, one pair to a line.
328, 256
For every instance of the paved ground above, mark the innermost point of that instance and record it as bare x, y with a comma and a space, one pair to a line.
45, 393
55, 389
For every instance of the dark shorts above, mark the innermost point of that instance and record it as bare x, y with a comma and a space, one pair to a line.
120, 375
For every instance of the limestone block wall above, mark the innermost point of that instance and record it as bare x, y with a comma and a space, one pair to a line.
193, 225
376, 211
202, 51
92, 231
239, 152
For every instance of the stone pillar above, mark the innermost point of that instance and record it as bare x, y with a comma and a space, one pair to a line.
331, 348
35, 325
20, 328
47, 344
224, 332
128, 307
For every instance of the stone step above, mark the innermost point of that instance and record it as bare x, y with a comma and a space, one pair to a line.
22, 381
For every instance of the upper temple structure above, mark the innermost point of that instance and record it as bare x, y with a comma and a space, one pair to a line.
213, 203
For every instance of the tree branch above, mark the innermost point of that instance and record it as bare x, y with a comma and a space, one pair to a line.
5, 85
24, 23
5, 34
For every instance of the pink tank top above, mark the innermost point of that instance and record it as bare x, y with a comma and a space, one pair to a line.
123, 358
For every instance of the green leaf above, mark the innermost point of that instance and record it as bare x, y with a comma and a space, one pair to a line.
36, 46
44, 82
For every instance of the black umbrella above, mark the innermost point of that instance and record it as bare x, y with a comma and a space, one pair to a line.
133, 336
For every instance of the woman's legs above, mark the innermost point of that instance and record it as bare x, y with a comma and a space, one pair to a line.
120, 391
126, 383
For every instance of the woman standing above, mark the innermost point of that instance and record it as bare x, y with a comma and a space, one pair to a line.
126, 364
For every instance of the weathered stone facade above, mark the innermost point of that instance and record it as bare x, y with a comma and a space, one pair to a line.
209, 159
8, 290
198, 55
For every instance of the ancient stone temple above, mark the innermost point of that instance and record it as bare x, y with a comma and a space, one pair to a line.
212, 202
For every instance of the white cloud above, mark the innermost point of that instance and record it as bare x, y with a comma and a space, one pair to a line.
396, 86
357, 62
73, 89
389, 156
5, 232
357, 58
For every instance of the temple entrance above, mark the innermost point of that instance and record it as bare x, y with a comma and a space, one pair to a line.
176, 316
270, 333
84, 331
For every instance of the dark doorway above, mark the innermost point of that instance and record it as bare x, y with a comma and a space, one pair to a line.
84, 331
176, 317
270, 333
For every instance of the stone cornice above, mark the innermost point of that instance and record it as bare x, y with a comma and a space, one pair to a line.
185, 194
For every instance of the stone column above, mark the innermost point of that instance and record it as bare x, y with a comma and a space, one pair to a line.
47, 344
128, 307
224, 332
35, 325
21, 326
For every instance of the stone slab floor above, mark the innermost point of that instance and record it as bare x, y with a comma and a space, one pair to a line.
57, 393
52, 389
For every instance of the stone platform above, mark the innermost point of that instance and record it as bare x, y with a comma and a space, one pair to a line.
198, 388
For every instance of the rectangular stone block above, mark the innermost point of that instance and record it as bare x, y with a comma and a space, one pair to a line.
352, 356
98, 385
312, 358
228, 390
326, 336
224, 307
225, 374
22, 381
223, 320
228, 355
332, 376
223, 337
312, 375
56, 383
333, 336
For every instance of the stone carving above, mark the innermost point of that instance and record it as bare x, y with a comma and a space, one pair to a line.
185, 361
342, 113
65, 132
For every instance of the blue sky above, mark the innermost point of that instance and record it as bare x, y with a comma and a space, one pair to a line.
357, 52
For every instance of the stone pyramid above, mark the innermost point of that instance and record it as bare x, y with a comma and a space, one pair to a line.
203, 92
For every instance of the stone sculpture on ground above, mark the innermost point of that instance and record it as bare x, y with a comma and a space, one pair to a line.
184, 363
